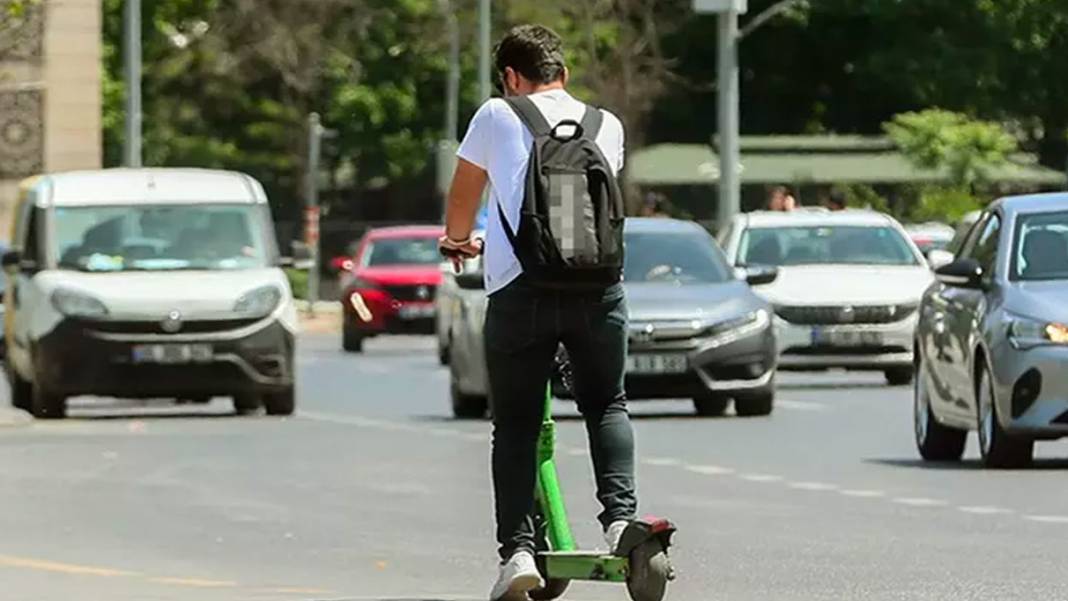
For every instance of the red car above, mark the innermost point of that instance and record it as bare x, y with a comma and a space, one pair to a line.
388, 287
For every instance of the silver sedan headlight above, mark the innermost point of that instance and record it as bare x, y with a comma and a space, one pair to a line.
1026, 333
740, 326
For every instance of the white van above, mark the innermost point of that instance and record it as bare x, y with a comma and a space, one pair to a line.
147, 283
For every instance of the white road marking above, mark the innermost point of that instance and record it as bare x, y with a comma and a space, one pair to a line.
1048, 519
760, 477
800, 405
709, 470
813, 486
919, 502
661, 461
984, 510
863, 493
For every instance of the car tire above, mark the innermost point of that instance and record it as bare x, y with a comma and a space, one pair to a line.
899, 376
21, 390
934, 441
755, 405
443, 353
280, 403
710, 404
466, 406
998, 448
45, 404
351, 340
246, 403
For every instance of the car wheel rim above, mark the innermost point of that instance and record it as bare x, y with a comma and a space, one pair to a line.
920, 406
986, 414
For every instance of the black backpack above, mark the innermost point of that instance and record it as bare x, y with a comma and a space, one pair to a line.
570, 232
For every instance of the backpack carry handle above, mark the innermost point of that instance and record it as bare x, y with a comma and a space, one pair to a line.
578, 130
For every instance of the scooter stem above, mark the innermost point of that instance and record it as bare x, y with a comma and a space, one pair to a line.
550, 497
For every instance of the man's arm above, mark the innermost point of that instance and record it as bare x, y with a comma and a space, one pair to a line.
465, 195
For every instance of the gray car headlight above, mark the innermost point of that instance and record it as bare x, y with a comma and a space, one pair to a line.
1026, 333
77, 304
259, 302
742, 325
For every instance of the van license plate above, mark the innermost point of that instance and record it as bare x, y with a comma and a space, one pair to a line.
171, 354
848, 338
653, 363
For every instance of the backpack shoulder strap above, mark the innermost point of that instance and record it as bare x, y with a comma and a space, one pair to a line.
529, 114
591, 122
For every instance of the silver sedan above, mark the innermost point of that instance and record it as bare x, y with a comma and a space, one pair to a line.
992, 340
696, 328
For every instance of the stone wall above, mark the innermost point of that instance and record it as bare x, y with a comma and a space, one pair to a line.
50, 103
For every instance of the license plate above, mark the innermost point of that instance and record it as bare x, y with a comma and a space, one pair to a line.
415, 311
647, 363
825, 337
171, 354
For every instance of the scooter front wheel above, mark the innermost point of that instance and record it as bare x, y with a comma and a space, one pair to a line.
650, 571
553, 589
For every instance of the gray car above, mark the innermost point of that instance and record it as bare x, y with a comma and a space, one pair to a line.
696, 329
992, 341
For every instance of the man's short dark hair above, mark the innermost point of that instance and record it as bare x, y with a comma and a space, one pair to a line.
533, 51
838, 199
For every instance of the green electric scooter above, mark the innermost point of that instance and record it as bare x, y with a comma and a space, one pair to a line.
640, 560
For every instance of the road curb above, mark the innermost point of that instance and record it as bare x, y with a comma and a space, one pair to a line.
13, 417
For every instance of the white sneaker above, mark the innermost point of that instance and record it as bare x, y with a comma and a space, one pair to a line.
614, 533
518, 575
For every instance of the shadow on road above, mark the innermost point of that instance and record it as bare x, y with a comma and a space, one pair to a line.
571, 417
830, 385
1043, 464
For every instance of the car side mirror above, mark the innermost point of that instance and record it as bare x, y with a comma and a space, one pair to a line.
12, 263
962, 273
939, 258
757, 275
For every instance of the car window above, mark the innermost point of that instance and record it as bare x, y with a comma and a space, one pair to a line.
401, 251
824, 245
31, 250
967, 244
681, 258
986, 247
1040, 250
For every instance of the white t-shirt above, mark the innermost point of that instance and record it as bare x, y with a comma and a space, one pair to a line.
498, 142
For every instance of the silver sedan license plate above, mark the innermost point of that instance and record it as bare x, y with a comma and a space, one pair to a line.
657, 363
171, 354
828, 337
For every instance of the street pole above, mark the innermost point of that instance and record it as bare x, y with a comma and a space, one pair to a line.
484, 84
132, 58
311, 208
730, 191
452, 84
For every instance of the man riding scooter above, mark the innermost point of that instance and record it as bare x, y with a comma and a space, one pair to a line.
553, 263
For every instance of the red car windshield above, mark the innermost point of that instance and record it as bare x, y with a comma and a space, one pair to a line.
401, 251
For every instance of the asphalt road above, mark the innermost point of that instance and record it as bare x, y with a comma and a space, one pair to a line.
373, 493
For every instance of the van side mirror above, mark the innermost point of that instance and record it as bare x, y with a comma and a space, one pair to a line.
962, 273
12, 263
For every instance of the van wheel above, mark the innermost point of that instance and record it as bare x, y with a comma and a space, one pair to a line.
710, 404
21, 391
899, 376
351, 340
755, 405
246, 403
280, 403
45, 404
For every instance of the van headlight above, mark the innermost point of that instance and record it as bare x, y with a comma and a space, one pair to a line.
1027, 333
743, 324
72, 303
259, 302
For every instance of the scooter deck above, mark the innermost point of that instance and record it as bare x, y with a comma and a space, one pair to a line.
598, 566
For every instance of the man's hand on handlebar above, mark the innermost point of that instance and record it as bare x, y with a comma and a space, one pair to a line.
458, 251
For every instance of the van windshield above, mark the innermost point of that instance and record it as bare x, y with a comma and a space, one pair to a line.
160, 237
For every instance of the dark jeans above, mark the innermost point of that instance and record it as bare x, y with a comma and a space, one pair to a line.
524, 326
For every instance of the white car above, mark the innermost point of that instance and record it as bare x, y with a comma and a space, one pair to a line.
848, 288
147, 283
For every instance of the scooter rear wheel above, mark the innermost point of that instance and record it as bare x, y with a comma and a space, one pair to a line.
650, 571
553, 589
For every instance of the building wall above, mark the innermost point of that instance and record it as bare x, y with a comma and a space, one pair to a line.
50, 97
